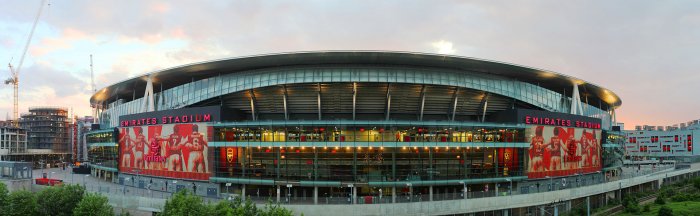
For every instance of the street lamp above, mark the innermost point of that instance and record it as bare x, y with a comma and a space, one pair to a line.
124, 184
84, 181
510, 189
410, 191
41, 163
174, 185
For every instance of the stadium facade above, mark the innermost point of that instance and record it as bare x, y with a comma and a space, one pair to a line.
362, 126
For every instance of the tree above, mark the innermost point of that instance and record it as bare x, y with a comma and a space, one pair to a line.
185, 203
696, 183
223, 209
22, 203
275, 210
93, 204
60, 201
665, 211
3, 199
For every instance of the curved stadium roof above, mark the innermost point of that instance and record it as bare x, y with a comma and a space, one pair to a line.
179, 75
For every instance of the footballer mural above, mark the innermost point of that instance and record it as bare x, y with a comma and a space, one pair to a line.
169, 150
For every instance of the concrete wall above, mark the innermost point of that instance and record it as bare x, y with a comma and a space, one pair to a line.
482, 204
17, 184
610, 189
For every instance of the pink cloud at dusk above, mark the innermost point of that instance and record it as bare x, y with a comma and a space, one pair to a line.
645, 52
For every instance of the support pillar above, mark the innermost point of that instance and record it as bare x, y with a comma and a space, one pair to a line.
278, 194
393, 195
588, 206
576, 107
148, 103
243, 192
496, 186
315, 195
431, 193
354, 195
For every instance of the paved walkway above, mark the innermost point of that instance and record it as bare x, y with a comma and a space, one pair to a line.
93, 184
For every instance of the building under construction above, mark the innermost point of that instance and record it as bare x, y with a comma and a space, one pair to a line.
48, 136
13, 141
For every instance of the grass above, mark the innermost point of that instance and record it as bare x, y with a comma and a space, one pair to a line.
679, 208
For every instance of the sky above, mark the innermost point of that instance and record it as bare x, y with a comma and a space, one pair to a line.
647, 52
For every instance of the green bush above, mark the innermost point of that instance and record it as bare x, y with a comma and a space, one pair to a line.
22, 203
185, 203
665, 211
4, 202
660, 200
647, 208
93, 205
60, 201
631, 204
696, 183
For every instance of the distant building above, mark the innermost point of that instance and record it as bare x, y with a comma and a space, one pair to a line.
13, 141
48, 135
81, 126
672, 143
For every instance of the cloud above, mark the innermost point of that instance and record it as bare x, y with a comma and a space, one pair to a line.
443, 47
645, 52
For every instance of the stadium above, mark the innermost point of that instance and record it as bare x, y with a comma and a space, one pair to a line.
355, 127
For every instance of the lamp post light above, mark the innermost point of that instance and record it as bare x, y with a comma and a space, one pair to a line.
41, 163
84, 181
464, 189
124, 184
174, 185
510, 189
410, 192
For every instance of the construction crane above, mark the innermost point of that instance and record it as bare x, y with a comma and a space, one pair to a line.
14, 72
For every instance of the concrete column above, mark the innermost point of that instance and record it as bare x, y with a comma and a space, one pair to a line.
431, 193
542, 211
243, 192
315, 195
588, 206
496, 186
278, 193
354, 195
393, 195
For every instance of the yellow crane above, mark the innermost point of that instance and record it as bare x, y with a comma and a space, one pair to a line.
14, 72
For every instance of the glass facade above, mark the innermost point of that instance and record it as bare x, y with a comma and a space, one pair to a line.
369, 133
365, 153
200, 90
102, 150
364, 164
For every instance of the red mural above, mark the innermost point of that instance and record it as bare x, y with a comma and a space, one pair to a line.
561, 151
176, 151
